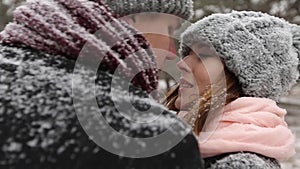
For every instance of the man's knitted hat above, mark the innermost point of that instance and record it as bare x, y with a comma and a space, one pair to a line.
261, 50
181, 8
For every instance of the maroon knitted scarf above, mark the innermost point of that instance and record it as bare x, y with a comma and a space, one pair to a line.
63, 27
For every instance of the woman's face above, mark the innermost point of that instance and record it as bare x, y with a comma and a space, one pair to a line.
199, 70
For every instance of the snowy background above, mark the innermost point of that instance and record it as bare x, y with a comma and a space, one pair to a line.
292, 104
288, 9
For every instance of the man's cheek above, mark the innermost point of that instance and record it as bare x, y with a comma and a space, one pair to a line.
158, 41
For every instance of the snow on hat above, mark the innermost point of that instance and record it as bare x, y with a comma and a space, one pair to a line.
181, 8
64, 26
262, 51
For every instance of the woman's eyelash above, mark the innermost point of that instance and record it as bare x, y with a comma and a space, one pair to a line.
203, 55
184, 70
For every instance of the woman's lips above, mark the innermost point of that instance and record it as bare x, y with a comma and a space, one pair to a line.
185, 84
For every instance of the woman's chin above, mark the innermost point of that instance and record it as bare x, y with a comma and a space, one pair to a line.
179, 105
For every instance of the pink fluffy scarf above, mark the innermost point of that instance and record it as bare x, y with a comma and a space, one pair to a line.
249, 124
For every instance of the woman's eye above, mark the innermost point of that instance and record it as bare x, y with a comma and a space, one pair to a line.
204, 55
185, 70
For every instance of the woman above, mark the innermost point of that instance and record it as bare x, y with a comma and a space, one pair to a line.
238, 124
39, 112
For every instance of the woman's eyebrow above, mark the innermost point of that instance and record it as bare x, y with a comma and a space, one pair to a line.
205, 54
205, 50
203, 43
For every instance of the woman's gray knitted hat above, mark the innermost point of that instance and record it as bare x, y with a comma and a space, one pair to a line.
180, 8
261, 50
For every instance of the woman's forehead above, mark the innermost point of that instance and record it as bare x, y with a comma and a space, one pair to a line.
203, 47
202, 44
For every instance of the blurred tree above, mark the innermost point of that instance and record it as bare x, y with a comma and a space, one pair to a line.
288, 9
6, 8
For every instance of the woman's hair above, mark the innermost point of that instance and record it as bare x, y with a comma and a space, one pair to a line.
232, 92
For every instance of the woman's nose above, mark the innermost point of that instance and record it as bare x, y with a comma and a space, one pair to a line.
184, 65
179, 64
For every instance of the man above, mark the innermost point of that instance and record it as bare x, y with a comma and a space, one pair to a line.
45, 116
157, 20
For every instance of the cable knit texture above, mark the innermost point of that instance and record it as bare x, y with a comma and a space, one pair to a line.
241, 160
180, 8
261, 50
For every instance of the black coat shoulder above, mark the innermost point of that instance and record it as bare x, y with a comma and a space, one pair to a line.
241, 160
